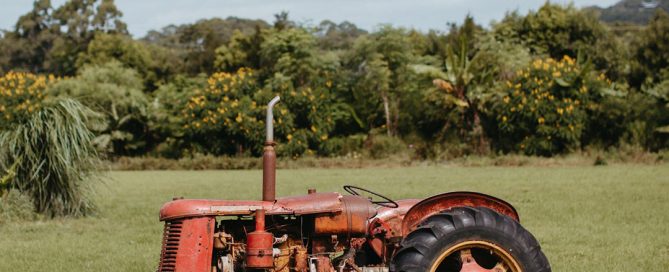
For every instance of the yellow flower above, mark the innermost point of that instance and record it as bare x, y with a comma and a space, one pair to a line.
289, 137
239, 118
324, 137
541, 120
568, 59
504, 119
313, 128
506, 99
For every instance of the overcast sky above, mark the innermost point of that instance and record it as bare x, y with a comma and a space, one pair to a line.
144, 15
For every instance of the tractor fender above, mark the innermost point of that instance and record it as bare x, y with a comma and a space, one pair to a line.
438, 203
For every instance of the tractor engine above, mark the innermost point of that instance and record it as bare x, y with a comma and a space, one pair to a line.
274, 236
316, 242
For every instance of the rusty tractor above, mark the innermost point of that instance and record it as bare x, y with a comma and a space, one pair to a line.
362, 231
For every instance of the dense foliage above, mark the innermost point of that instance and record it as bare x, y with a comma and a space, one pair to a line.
552, 81
545, 108
46, 149
22, 94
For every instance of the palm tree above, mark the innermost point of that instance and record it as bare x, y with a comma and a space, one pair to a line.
457, 85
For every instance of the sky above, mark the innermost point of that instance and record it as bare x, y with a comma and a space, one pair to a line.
144, 15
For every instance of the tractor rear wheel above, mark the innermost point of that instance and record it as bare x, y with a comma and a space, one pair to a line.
470, 239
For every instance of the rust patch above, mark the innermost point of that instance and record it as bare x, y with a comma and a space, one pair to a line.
443, 202
297, 205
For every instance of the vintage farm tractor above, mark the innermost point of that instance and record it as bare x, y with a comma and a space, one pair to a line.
362, 231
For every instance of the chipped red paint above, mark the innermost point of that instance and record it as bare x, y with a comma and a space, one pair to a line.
296, 205
259, 245
387, 224
390, 219
191, 246
443, 202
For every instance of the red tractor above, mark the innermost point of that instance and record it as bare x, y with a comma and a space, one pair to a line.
363, 231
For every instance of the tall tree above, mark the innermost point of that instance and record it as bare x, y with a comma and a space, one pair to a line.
50, 40
29, 45
652, 52
80, 20
196, 43
556, 30
332, 36
384, 55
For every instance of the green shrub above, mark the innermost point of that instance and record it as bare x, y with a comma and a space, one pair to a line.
53, 158
382, 146
342, 146
116, 92
226, 117
544, 109
223, 118
166, 120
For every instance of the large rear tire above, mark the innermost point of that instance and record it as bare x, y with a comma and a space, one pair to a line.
470, 239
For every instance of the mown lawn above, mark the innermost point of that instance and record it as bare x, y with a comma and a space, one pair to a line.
612, 218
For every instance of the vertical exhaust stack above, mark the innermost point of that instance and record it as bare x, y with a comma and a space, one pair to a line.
269, 156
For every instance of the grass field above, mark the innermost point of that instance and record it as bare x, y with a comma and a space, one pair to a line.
612, 218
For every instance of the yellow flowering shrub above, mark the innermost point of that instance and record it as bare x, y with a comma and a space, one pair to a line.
21, 94
544, 109
223, 116
306, 115
228, 115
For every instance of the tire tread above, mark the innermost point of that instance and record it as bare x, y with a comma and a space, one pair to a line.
418, 246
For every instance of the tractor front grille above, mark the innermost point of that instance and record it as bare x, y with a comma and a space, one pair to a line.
171, 237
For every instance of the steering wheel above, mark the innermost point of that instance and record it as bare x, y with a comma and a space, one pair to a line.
355, 190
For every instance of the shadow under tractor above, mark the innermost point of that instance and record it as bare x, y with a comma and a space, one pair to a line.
361, 231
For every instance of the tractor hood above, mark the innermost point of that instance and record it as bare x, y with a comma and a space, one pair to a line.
293, 205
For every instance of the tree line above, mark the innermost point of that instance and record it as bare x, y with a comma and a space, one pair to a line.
553, 81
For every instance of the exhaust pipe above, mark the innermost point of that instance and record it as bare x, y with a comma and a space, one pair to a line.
269, 156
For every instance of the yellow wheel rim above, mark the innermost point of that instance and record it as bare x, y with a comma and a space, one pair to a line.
506, 262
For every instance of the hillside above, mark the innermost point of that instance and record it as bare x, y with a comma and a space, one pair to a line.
631, 11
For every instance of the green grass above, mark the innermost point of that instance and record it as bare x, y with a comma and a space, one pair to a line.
612, 218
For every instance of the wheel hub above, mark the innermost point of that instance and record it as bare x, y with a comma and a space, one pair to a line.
476, 256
